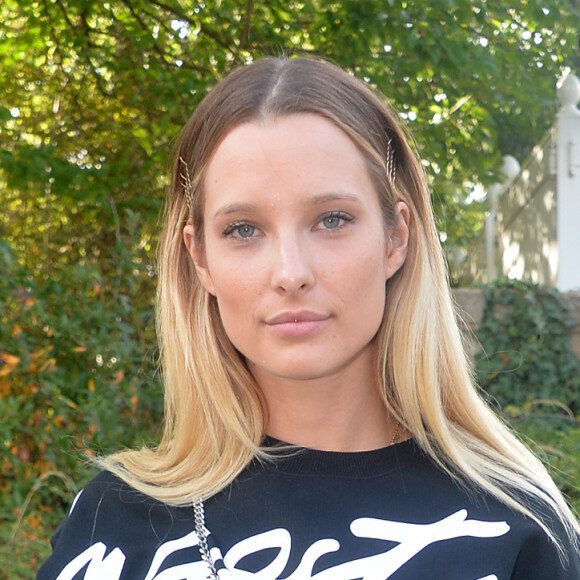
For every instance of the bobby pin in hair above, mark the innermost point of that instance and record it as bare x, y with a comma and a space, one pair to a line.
187, 185
391, 169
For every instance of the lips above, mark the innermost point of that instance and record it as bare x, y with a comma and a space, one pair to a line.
296, 317
297, 323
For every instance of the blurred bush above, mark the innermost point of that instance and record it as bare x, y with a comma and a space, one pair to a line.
529, 372
526, 355
77, 373
78, 377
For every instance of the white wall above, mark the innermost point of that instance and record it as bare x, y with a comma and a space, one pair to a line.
536, 235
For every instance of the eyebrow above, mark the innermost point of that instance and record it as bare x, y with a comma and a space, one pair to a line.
333, 196
235, 208
315, 200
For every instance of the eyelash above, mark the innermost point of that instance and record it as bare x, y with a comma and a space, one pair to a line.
236, 226
337, 214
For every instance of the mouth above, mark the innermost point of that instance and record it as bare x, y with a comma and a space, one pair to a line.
296, 317
297, 323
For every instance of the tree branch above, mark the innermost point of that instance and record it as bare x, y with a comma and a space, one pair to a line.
205, 29
145, 28
245, 40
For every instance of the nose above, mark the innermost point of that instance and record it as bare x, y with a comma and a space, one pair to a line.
291, 266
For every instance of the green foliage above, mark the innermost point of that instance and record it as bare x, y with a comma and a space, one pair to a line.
528, 368
77, 360
526, 353
94, 93
22, 554
555, 437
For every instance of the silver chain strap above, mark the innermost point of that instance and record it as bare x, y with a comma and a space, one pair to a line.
199, 518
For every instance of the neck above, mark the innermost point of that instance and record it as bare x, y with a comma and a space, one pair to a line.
336, 413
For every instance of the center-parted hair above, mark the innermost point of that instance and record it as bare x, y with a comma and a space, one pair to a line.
215, 413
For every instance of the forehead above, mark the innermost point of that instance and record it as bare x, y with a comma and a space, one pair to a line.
302, 151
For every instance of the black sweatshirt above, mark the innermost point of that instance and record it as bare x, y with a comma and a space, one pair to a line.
373, 515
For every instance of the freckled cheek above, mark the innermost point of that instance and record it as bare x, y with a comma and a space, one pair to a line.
237, 298
369, 292
369, 273
237, 292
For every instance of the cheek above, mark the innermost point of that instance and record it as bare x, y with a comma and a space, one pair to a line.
231, 276
237, 290
234, 297
236, 315
369, 267
360, 286
371, 287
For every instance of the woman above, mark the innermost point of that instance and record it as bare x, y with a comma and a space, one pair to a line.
321, 421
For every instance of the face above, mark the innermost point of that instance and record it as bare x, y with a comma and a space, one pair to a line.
296, 250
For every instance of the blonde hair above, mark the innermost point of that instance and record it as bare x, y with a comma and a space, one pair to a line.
214, 410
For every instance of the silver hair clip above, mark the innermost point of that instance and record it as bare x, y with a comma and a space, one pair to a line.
187, 184
391, 169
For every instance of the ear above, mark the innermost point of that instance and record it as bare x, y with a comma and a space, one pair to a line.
398, 241
198, 258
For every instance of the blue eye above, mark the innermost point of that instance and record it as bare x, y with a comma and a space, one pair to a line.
331, 221
335, 220
240, 230
245, 230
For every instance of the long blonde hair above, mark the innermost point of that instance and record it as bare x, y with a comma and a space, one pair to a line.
215, 412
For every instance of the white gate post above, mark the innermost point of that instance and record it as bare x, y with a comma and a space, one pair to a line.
510, 168
568, 205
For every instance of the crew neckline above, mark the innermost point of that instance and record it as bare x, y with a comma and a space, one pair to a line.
305, 461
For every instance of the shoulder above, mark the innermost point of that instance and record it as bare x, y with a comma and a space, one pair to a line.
106, 489
112, 527
535, 555
540, 556
108, 507
103, 485
103, 502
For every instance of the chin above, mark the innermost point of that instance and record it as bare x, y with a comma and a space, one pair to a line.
295, 371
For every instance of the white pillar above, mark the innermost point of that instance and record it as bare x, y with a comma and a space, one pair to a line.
490, 233
510, 170
568, 205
